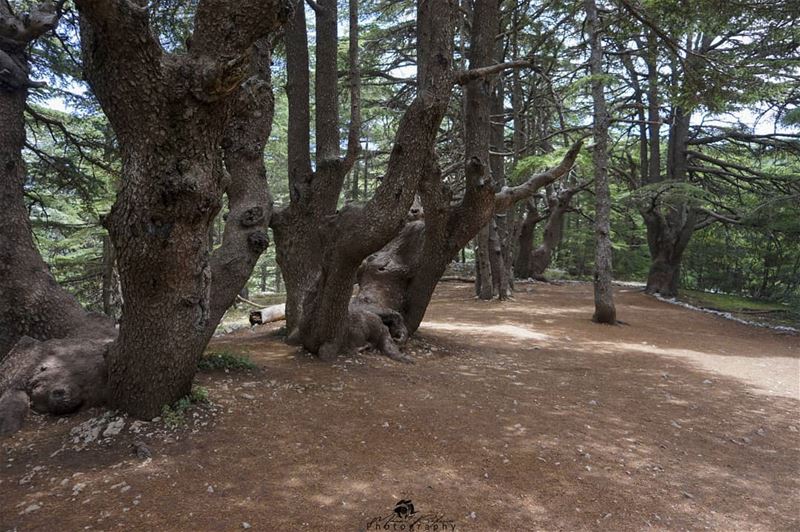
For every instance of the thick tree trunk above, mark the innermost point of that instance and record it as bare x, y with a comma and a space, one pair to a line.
667, 237
319, 248
173, 181
401, 277
604, 310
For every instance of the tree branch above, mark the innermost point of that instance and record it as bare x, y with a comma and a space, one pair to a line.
508, 196
465, 76
354, 132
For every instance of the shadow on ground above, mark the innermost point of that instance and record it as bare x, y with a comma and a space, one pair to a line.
517, 416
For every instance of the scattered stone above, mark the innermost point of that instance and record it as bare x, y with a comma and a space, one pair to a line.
246, 525
247, 396
210, 489
473, 515
32, 508
593, 402
141, 450
676, 424
688, 495
707, 382
114, 428
77, 488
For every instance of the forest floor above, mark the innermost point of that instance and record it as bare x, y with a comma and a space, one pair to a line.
520, 415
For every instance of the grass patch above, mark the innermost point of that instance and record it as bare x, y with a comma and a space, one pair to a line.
730, 303
174, 416
224, 360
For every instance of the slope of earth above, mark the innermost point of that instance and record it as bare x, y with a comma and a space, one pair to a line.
520, 415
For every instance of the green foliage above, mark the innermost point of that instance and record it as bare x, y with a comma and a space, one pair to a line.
224, 360
174, 416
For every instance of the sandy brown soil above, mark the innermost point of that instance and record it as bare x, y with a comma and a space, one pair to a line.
517, 416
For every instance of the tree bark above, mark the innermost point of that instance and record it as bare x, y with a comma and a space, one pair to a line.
669, 230
558, 205
173, 181
51, 349
484, 287
31, 302
527, 229
320, 248
604, 310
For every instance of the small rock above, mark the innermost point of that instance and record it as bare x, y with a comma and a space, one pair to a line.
247, 396
707, 382
593, 402
114, 428
688, 495
472, 515
675, 424
141, 450
210, 489
386, 424
246, 525
32, 508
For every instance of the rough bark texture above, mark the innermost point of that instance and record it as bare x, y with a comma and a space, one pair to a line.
604, 310
52, 377
320, 248
51, 349
170, 114
477, 134
400, 278
525, 233
670, 219
558, 205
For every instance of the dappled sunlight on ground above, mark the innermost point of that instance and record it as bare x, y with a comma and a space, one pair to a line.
518, 416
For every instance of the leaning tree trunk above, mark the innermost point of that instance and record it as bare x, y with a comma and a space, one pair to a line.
527, 229
400, 278
559, 204
31, 302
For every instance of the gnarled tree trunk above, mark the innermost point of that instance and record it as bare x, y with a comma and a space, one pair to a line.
170, 113
319, 248
51, 349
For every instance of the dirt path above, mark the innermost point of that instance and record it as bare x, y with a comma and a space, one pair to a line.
517, 416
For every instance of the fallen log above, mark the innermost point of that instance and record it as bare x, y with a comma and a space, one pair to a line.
268, 315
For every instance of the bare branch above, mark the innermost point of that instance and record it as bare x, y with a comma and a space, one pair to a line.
465, 76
